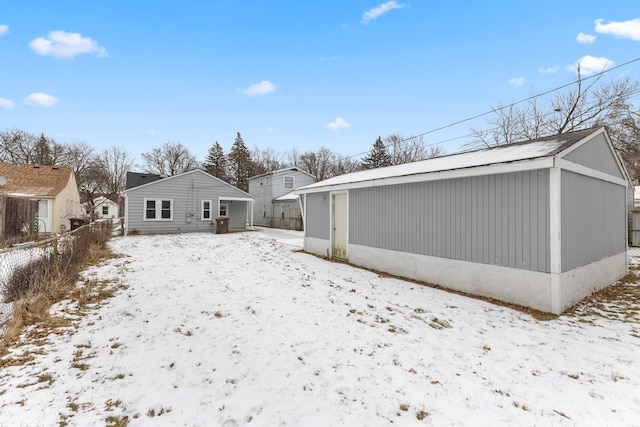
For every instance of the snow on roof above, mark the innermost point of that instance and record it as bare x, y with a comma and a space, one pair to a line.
543, 147
287, 197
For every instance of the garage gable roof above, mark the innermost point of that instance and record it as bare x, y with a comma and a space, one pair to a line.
546, 147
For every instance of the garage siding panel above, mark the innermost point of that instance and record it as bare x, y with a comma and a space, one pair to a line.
597, 154
317, 206
591, 231
495, 219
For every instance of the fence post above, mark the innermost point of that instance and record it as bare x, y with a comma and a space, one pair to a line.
55, 251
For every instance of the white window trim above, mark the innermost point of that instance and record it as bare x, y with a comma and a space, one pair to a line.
158, 209
226, 205
202, 210
293, 182
107, 210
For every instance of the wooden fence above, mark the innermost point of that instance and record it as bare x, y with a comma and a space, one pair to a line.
18, 219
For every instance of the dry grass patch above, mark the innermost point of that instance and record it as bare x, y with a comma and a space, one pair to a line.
620, 301
32, 308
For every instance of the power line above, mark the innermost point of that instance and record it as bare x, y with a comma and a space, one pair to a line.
492, 111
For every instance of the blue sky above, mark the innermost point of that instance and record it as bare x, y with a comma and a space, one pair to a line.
286, 74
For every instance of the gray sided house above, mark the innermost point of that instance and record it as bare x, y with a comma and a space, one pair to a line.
188, 202
541, 223
276, 205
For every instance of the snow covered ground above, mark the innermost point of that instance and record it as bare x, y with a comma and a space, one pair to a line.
243, 329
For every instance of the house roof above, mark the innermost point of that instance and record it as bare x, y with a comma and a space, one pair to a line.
136, 179
155, 182
522, 151
34, 180
290, 196
293, 168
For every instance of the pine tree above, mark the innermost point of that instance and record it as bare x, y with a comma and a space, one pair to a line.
240, 164
216, 161
378, 156
42, 151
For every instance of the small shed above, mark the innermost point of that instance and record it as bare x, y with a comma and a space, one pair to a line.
541, 223
188, 202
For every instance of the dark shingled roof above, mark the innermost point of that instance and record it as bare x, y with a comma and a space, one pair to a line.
136, 179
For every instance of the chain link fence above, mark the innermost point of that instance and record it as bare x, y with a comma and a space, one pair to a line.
29, 268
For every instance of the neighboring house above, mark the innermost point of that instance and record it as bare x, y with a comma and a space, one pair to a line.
276, 205
104, 207
54, 187
541, 223
187, 202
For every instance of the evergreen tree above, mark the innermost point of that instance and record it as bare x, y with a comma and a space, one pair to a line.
378, 156
216, 161
42, 151
240, 164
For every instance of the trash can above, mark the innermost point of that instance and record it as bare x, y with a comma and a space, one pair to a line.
76, 223
222, 225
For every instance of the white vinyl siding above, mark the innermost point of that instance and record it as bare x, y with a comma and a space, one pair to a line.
158, 210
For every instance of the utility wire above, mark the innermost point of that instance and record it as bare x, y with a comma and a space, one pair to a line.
597, 75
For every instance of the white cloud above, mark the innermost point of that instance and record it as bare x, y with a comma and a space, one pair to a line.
590, 65
327, 58
6, 103
549, 70
4, 29
338, 123
259, 89
517, 81
585, 38
625, 29
40, 100
61, 44
377, 11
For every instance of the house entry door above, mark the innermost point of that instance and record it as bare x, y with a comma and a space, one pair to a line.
339, 232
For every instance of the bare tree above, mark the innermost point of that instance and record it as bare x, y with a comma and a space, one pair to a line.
584, 106
318, 164
171, 159
433, 152
81, 158
266, 160
115, 163
405, 150
293, 158
344, 164
17, 146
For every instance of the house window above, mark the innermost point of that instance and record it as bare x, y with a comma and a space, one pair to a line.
288, 182
224, 209
105, 210
206, 210
158, 210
